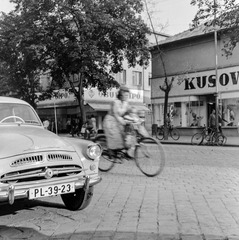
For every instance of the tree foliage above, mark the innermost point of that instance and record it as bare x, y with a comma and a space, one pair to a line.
222, 14
20, 61
84, 42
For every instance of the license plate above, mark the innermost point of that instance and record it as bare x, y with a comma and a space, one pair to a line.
52, 190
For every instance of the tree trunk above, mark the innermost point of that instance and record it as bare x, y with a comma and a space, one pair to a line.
32, 90
80, 98
165, 115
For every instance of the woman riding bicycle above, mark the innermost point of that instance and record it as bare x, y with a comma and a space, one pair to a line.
114, 122
124, 139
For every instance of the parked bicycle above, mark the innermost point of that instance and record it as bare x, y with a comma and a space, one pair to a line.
208, 136
149, 155
173, 132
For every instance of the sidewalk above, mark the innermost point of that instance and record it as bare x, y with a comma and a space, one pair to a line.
186, 140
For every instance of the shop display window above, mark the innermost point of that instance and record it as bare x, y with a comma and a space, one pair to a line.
230, 111
195, 113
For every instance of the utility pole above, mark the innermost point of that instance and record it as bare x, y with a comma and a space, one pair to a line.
216, 65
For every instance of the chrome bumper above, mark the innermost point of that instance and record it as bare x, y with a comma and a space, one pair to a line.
10, 192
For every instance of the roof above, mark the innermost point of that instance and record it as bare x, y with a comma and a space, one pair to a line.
190, 33
12, 100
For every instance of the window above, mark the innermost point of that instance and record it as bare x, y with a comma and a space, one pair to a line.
149, 79
120, 77
137, 78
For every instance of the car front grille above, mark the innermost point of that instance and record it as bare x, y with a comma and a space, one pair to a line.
36, 174
31, 159
58, 157
27, 160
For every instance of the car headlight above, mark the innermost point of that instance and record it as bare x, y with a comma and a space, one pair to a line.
94, 151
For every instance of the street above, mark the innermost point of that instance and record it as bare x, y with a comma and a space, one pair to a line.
195, 197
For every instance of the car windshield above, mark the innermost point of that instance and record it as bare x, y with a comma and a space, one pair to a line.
20, 113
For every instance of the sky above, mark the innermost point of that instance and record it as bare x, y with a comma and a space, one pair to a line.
174, 15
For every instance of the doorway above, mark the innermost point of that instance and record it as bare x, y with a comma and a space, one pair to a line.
210, 105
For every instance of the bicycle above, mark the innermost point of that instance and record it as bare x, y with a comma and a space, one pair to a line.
198, 138
89, 134
218, 138
149, 155
172, 132
210, 135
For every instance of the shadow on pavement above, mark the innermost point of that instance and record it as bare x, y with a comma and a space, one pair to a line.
28, 233
20, 233
6, 209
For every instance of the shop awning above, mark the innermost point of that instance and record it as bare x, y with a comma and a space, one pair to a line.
100, 106
106, 106
176, 99
141, 107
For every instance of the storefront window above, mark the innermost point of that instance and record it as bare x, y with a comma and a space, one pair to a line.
184, 114
230, 111
195, 113
188, 114
175, 113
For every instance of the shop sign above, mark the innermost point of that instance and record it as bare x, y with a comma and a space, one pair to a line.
95, 95
92, 94
59, 97
200, 83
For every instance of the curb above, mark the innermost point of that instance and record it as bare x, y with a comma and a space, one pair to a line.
187, 143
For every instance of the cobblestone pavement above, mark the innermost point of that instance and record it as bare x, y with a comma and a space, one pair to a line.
195, 198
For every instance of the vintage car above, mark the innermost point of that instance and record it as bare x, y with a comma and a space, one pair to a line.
36, 163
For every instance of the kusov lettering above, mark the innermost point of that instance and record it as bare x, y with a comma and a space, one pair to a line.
210, 81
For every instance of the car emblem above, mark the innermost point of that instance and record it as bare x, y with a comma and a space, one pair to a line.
48, 173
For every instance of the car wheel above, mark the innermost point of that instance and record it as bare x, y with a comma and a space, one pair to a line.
75, 201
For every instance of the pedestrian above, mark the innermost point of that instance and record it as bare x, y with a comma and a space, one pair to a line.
46, 124
212, 119
73, 127
89, 127
68, 125
93, 120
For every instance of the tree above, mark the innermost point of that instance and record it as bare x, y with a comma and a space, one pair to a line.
20, 60
86, 41
221, 14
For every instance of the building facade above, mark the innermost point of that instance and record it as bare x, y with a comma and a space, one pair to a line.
189, 59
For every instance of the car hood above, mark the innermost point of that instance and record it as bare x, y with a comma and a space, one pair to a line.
15, 140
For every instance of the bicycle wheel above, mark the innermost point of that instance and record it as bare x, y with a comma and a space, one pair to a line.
174, 133
197, 139
219, 139
160, 133
150, 157
106, 162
